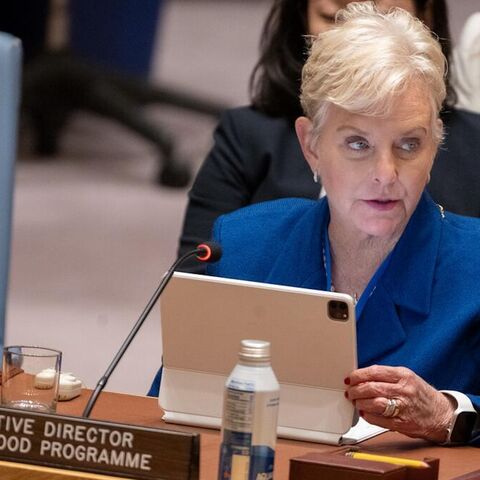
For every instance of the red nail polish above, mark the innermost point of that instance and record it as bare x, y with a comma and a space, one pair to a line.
346, 394
361, 413
346, 381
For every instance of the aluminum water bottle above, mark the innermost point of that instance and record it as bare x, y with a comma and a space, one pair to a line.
250, 411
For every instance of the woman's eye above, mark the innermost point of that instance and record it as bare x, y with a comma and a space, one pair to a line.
409, 144
324, 16
328, 18
358, 144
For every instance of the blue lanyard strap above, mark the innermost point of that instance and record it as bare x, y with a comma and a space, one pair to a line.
327, 259
372, 284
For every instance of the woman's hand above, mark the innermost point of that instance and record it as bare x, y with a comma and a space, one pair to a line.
417, 409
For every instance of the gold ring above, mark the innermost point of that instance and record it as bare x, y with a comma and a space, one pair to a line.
392, 409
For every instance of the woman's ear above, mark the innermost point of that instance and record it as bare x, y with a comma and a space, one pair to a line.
304, 128
439, 124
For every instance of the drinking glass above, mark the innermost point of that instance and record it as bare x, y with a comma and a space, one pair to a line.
30, 378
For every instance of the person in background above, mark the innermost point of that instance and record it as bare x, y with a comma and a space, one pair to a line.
372, 91
256, 155
466, 63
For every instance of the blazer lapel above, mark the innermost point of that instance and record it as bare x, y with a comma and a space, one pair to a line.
379, 329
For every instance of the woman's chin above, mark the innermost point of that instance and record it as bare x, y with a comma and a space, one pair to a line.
380, 228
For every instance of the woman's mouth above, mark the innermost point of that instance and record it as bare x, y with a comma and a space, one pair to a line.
382, 205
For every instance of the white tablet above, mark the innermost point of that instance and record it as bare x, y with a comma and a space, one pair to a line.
313, 339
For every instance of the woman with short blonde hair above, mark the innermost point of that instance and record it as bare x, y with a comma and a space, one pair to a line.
372, 89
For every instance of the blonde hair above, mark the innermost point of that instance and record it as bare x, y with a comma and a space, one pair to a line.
367, 60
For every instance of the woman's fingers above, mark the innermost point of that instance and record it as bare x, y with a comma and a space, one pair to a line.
398, 399
378, 373
377, 389
376, 406
382, 381
384, 422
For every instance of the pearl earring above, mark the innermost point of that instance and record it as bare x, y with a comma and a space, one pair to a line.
315, 176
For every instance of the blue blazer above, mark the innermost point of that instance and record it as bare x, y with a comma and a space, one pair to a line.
425, 311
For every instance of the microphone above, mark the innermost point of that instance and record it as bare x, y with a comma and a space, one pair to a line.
207, 252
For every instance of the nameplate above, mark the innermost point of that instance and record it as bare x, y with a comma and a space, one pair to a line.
98, 447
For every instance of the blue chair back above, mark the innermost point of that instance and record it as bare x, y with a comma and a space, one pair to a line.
10, 68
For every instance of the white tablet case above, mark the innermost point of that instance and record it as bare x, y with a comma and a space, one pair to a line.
203, 321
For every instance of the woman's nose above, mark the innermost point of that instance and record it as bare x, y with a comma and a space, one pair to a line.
385, 170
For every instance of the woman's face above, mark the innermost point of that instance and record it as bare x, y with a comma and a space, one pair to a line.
321, 13
373, 169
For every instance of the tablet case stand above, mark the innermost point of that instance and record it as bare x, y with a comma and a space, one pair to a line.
205, 318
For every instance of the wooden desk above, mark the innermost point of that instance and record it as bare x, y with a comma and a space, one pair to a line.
137, 410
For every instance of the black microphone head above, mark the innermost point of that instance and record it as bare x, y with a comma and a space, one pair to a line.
209, 252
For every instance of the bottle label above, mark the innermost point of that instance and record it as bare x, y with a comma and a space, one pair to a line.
239, 407
249, 432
